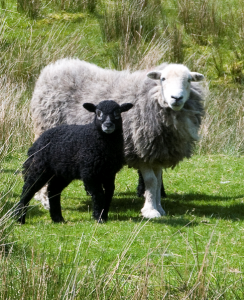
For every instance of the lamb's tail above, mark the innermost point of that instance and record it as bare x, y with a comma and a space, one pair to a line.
31, 154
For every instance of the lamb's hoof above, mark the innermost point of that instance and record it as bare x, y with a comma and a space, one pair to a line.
19, 213
161, 210
21, 220
101, 221
58, 219
150, 213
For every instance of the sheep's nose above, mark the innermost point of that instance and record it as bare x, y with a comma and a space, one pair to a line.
108, 124
177, 98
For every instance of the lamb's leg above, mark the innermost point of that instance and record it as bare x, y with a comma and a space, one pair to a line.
149, 209
31, 186
55, 187
108, 184
158, 174
95, 189
141, 187
42, 196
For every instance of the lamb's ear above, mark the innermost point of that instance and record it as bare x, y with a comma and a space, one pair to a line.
155, 75
196, 76
90, 107
125, 107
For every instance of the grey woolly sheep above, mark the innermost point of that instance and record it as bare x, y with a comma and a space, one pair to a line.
93, 153
159, 132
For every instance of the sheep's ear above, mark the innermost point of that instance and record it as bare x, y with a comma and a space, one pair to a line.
90, 107
125, 107
155, 75
196, 76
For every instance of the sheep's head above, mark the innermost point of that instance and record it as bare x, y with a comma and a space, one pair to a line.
175, 81
108, 114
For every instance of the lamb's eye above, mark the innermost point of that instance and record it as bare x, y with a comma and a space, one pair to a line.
163, 78
189, 80
99, 114
117, 114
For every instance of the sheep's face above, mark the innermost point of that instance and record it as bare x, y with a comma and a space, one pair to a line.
108, 114
108, 121
175, 81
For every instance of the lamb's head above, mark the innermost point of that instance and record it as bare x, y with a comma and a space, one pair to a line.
108, 114
175, 81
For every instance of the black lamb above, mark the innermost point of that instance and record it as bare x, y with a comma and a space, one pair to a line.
93, 153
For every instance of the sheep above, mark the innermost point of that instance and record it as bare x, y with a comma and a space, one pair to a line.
93, 153
159, 132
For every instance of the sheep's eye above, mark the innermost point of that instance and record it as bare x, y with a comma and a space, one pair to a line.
189, 80
163, 79
99, 114
117, 114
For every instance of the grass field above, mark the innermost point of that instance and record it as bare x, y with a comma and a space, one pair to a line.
197, 250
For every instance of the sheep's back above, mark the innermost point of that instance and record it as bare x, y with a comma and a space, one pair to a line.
153, 134
63, 87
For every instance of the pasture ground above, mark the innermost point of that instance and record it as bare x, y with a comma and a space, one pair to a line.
198, 246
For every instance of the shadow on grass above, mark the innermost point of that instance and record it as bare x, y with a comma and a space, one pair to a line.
174, 205
177, 207
205, 206
200, 197
185, 197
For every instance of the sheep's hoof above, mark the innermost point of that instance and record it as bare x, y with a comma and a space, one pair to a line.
140, 192
161, 210
163, 194
150, 213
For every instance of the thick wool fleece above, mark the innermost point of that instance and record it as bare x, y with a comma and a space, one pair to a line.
153, 134
69, 152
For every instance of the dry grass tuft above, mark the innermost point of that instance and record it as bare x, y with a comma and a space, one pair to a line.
222, 128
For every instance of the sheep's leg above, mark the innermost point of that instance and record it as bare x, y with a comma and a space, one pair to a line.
141, 187
42, 196
108, 185
31, 186
162, 190
149, 209
55, 187
158, 174
95, 189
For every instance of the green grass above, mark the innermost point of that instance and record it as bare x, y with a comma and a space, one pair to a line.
203, 229
196, 251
